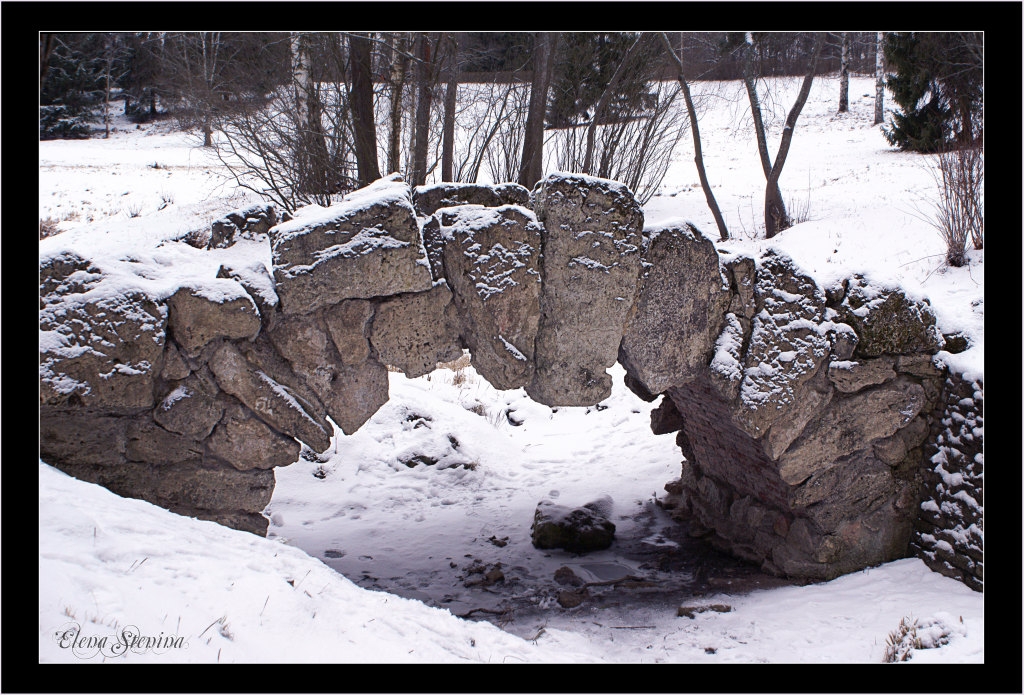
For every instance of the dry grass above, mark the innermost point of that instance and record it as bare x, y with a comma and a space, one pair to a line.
902, 641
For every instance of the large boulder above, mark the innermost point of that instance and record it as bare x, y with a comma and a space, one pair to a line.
98, 348
784, 381
413, 332
492, 261
679, 308
591, 250
367, 245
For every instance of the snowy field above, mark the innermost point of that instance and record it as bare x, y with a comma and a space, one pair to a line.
371, 559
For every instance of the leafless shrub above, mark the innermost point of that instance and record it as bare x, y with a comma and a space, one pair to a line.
959, 212
635, 147
48, 228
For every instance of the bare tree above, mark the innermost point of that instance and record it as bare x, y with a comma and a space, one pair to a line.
396, 78
879, 77
531, 168
775, 219
749, 80
361, 97
602, 103
698, 156
427, 72
450, 99
844, 74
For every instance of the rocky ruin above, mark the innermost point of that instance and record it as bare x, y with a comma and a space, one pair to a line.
819, 436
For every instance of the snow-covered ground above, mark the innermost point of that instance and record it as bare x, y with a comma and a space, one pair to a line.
434, 533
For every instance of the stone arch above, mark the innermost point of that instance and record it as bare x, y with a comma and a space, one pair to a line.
804, 413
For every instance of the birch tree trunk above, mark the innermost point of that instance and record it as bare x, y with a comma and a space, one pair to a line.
879, 77
397, 77
312, 156
844, 75
448, 129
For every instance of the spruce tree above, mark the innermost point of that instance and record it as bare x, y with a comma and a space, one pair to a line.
73, 85
936, 81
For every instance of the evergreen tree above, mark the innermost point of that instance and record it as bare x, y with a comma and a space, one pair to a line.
73, 85
583, 70
936, 81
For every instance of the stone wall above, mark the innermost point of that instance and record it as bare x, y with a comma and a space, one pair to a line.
949, 532
819, 437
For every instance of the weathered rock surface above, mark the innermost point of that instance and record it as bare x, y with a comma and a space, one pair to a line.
218, 493
81, 436
257, 281
679, 309
851, 424
849, 376
99, 353
413, 332
247, 223
949, 528
246, 442
348, 322
786, 350
351, 393
222, 309
368, 245
591, 249
580, 530
189, 409
492, 263
887, 321
275, 403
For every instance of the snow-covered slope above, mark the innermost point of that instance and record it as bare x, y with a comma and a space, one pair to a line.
142, 577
